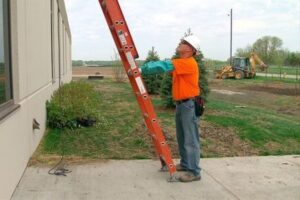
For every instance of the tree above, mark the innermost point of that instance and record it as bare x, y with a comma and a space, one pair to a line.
240, 52
292, 59
166, 91
269, 49
203, 73
77, 63
166, 88
279, 57
152, 81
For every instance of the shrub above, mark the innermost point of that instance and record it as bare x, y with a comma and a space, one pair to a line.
118, 69
203, 80
152, 81
72, 105
166, 91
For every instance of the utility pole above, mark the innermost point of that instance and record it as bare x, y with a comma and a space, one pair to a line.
231, 36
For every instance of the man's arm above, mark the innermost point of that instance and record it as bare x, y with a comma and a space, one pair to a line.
157, 67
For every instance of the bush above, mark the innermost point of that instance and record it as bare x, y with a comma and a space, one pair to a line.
203, 74
152, 81
72, 105
118, 69
166, 91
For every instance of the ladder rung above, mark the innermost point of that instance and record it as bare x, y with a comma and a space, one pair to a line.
128, 53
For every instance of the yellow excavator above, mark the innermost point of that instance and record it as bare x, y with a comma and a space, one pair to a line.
243, 67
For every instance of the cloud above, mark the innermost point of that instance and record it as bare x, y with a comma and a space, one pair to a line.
246, 25
161, 23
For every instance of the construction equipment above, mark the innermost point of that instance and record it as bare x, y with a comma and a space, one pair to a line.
242, 68
128, 53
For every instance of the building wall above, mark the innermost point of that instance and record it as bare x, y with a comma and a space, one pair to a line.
41, 61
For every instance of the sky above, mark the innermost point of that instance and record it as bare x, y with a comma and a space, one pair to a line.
162, 23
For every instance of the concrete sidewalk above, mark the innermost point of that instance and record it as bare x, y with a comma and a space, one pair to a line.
272, 177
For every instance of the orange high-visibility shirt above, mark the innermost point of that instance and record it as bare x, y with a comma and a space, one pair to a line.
185, 78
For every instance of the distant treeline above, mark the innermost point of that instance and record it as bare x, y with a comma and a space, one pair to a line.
98, 63
270, 50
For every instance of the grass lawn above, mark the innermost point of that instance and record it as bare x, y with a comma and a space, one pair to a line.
288, 70
120, 132
263, 79
272, 69
266, 130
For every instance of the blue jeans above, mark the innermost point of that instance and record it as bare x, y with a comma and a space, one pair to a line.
188, 136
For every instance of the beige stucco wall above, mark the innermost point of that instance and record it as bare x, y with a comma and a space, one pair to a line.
33, 81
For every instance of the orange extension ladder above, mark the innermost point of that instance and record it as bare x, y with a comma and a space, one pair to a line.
128, 53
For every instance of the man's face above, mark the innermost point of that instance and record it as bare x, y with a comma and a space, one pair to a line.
184, 49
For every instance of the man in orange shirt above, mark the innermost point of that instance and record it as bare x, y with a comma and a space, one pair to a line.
185, 88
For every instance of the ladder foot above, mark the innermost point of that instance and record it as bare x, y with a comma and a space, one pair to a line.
173, 178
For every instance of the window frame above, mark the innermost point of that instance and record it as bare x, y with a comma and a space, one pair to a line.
7, 57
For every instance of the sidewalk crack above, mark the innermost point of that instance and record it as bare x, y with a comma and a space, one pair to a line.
219, 182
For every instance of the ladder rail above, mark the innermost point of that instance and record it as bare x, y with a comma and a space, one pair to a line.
128, 53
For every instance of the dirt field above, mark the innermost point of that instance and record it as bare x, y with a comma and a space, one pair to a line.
105, 71
276, 89
282, 97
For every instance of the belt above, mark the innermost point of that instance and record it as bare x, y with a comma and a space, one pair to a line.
183, 100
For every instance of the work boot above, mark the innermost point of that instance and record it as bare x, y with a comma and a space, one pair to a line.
180, 168
189, 177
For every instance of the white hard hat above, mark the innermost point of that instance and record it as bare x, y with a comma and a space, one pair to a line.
193, 41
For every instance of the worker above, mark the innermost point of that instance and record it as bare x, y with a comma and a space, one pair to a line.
185, 88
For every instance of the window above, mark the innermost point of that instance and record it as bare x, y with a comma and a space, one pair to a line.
5, 68
243, 63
